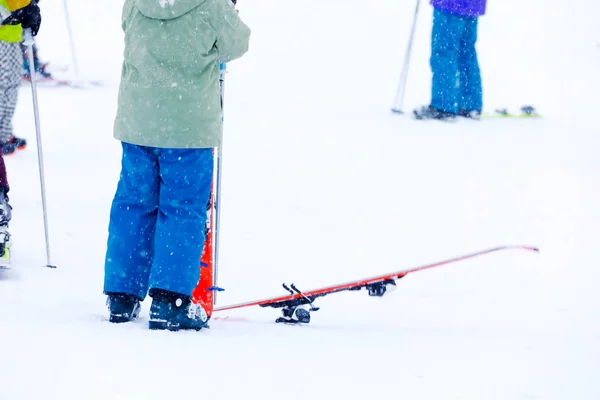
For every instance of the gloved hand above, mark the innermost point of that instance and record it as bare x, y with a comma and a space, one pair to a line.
29, 17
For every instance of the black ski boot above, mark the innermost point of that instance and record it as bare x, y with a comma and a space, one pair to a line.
429, 112
123, 307
174, 311
470, 114
13, 145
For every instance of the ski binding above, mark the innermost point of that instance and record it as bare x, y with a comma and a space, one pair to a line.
297, 310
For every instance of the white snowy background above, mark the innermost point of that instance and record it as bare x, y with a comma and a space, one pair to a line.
322, 184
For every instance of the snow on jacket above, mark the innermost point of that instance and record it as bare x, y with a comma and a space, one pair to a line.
169, 90
465, 8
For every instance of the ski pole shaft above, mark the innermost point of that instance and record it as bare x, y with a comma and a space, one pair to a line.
404, 74
219, 156
29, 42
72, 42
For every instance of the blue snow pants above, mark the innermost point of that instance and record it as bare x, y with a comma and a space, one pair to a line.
158, 220
456, 81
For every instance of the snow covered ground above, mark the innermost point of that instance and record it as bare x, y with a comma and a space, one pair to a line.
323, 184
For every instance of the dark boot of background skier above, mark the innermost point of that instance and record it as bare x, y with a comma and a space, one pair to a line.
5, 215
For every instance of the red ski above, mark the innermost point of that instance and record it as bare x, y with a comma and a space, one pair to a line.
297, 305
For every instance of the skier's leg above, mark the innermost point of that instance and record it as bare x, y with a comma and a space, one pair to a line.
471, 93
3, 176
445, 42
186, 180
36, 59
25, 61
10, 80
130, 247
40, 67
5, 210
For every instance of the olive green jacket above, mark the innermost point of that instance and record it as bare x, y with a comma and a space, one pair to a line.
169, 92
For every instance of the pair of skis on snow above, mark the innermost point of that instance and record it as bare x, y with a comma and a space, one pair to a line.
53, 81
524, 112
65, 82
296, 305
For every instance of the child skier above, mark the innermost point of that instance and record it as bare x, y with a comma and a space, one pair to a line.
456, 84
18, 14
168, 120
11, 60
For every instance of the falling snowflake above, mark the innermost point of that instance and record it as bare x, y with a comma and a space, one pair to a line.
163, 3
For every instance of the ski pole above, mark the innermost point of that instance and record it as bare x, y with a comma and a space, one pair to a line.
219, 156
29, 42
397, 108
72, 42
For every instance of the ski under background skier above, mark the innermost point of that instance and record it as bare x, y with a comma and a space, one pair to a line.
169, 119
24, 14
456, 84
11, 61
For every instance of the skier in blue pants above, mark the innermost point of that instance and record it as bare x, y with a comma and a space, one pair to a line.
456, 88
157, 221
169, 120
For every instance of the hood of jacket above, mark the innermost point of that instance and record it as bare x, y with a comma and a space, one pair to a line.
166, 9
